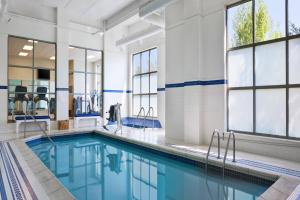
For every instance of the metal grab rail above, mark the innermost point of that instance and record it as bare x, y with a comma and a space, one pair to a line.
36, 122
231, 133
216, 131
152, 117
139, 114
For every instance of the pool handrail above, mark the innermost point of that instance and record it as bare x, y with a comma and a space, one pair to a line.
216, 131
231, 133
148, 115
139, 114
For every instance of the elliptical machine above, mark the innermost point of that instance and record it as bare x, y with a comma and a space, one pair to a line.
114, 117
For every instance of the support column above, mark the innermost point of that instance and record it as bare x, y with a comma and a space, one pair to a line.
3, 79
62, 60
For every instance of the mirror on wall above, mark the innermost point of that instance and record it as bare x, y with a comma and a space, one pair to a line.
31, 78
85, 81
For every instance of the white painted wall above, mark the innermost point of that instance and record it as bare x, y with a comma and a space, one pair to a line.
116, 71
184, 46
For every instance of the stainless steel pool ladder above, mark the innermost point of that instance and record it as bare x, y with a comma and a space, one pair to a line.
216, 131
231, 133
43, 130
148, 115
139, 114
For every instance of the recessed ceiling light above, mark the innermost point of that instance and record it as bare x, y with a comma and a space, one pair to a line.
52, 58
71, 47
91, 57
23, 54
31, 41
27, 47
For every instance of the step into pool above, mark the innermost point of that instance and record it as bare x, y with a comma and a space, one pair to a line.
92, 166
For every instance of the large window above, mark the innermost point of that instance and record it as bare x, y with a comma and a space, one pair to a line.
145, 81
85, 81
31, 77
263, 67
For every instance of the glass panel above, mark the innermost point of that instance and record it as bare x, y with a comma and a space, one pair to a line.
239, 23
136, 85
270, 111
145, 83
153, 60
76, 59
136, 104
294, 61
153, 83
153, 104
79, 83
94, 61
78, 104
93, 83
44, 78
270, 71
20, 76
294, 17
52, 105
94, 102
294, 112
145, 102
240, 107
93, 91
269, 20
240, 68
145, 62
44, 55
17, 55
137, 64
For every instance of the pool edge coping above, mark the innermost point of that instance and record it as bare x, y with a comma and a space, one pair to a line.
27, 153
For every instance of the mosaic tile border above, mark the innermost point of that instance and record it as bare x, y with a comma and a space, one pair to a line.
14, 182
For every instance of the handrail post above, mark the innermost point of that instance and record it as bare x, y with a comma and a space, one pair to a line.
231, 133
216, 131
233, 138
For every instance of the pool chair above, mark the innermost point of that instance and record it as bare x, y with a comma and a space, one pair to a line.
20, 100
114, 117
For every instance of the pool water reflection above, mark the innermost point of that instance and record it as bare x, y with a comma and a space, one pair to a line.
93, 167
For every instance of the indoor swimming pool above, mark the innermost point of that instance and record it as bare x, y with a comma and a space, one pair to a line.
92, 166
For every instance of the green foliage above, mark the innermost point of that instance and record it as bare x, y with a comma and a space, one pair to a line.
262, 22
294, 30
243, 27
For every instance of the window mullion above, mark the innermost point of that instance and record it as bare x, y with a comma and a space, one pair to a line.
253, 63
287, 68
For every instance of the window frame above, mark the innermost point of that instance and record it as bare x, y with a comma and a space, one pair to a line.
140, 94
32, 68
85, 76
287, 86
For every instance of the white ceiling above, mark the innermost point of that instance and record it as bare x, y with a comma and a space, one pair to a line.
87, 12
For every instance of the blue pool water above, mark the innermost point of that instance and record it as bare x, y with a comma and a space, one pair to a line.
92, 167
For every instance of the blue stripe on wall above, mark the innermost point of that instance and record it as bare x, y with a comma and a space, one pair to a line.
161, 89
196, 83
3, 87
117, 91
174, 85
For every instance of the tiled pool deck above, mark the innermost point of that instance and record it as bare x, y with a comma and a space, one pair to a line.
23, 175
